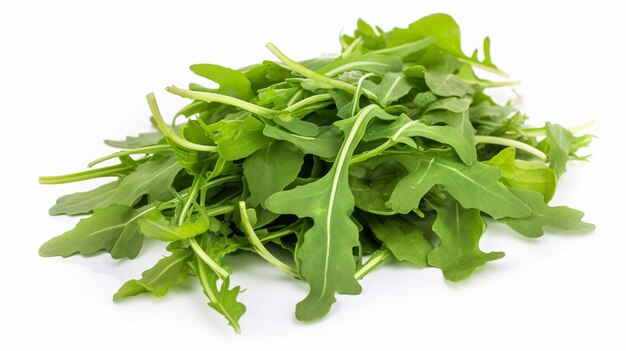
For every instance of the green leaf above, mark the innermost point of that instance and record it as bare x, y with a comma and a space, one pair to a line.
326, 259
522, 174
155, 226
168, 272
271, 169
325, 145
99, 232
474, 186
447, 37
392, 87
363, 62
129, 242
454, 104
447, 84
232, 83
84, 202
562, 146
237, 139
373, 184
152, 178
403, 238
459, 229
559, 218
222, 299
449, 128
131, 142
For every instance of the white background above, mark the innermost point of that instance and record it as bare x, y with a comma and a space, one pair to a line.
73, 73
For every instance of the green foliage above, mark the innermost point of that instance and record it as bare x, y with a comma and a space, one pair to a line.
391, 150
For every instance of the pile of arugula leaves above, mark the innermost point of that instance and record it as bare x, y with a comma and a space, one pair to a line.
326, 168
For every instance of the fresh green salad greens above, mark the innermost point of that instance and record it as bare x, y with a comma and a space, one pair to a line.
326, 168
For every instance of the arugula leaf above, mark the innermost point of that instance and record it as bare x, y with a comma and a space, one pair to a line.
562, 146
473, 186
459, 229
368, 63
447, 84
84, 202
99, 232
329, 202
152, 178
392, 87
131, 142
559, 218
168, 272
324, 145
405, 241
232, 83
237, 139
271, 169
522, 174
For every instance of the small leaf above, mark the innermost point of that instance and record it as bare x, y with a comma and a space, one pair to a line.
169, 271
459, 229
155, 226
559, 218
271, 169
152, 178
447, 84
131, 142
392, 87
325, 145
232, 83
527, 175
405, 240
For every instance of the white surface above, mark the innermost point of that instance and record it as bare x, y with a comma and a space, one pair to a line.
75, 73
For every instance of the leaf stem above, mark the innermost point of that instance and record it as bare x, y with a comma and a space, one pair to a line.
488, 139
308, 73
140, 150
221, 272
258, 245
377, 258
110, 171
308, 101
373, 152
223, 99
171, 134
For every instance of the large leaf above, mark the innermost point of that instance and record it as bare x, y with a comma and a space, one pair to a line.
474, 186
459, 229
153, 178
326, 259
559, 218
155, 226
522, 174
271, 169
169, 271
